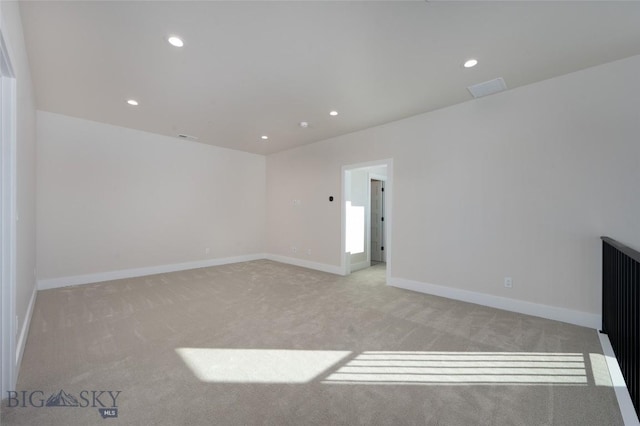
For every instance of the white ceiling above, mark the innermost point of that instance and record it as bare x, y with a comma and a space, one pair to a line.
254, 68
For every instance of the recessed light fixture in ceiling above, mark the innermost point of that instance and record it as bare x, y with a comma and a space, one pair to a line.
333, 113
470, 63
304, 124
175, 41
264, 137
132, 102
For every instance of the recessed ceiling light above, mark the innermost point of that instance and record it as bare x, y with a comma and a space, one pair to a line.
333, 113
264, 137
470, 63
175, 41
304, 124
132, 102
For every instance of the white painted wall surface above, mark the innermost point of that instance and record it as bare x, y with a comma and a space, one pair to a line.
518, 184
111, 198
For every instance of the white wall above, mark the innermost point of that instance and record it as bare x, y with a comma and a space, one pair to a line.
25, 165
111, 199
518, 184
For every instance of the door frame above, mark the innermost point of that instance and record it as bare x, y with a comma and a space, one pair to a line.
8, 218
345, 260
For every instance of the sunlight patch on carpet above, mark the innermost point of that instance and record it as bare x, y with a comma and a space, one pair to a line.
462, 368
600, 370
258, 365
212, 365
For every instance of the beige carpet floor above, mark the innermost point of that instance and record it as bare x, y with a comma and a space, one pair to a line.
263, 343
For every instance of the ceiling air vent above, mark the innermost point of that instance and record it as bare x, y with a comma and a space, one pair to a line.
191, 138
487, 88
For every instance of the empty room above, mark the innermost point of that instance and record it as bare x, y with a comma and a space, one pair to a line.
320, 212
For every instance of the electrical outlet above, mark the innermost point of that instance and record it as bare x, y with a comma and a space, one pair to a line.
294, 249
508, 282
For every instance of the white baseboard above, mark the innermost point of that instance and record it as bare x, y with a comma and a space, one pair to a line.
24, 333
360, 265
545, 311
583, 319
139, 272
332, 269
629, 416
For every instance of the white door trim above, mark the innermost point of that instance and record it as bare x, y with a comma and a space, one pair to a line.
345, 266
8, 217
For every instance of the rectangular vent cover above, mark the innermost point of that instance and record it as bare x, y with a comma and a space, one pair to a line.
487, 88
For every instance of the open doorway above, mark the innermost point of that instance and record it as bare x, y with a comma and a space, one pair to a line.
366, 216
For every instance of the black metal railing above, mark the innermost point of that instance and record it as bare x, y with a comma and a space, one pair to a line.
621, 310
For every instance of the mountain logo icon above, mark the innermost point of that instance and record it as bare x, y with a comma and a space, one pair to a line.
62, 399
